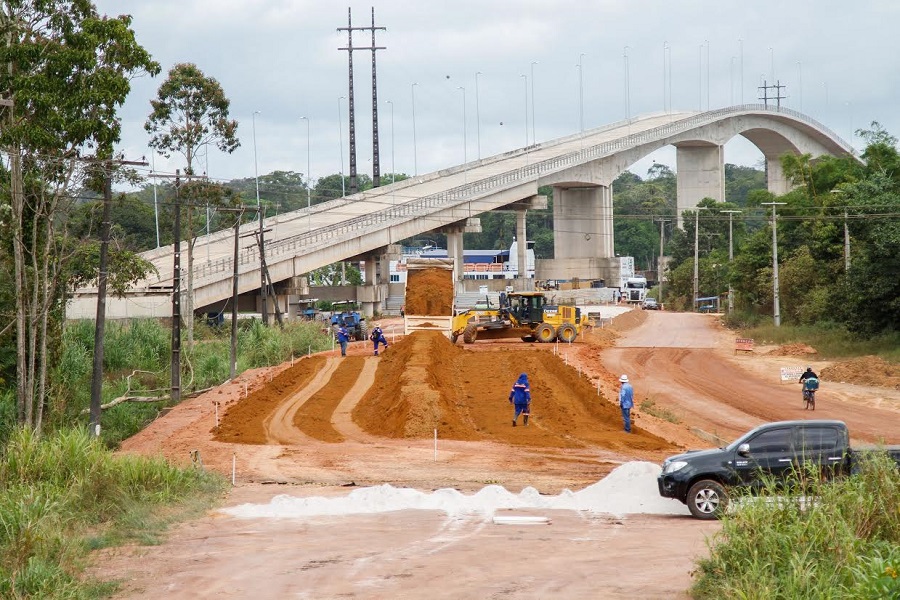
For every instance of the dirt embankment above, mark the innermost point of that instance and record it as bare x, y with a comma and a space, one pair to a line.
243, 423
865, 370
426, 383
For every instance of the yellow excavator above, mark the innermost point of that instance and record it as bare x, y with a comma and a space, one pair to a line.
521, 314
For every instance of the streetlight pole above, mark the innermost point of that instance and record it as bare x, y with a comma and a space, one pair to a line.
477, 115
700, 79
393, 168
465, 155
526, 109
730, 214
665, 75
776, 308
772, 63
627, 99
707, 76
659, 266
741, 44
800, 83
697, 210
308, 176
256, 166
415, 152
581, 93
533, 136
731, 74
341, 136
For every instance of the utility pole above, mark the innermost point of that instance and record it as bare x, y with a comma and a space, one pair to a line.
100, 322
659, 264
376, 175
176, 299
234, 295
776, 308
697, 253
846, 244
730, 214
263, 288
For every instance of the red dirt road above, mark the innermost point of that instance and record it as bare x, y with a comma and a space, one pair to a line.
682, 362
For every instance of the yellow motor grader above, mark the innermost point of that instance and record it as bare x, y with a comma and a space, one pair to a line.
521, 314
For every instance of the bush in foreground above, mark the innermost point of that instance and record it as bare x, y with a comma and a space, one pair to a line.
841, 540
65, 494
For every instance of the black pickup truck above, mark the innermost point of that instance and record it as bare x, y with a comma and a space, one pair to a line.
701, 478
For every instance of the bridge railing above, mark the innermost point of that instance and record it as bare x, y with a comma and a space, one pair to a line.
325, 236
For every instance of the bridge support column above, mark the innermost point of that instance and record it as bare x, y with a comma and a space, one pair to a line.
455, 251
775, 179
582, 222
521, 249
700, 173
376, 275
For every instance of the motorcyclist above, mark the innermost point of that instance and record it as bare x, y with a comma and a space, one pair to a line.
807, 388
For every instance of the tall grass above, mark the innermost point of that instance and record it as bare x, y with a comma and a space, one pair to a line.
64, 494
840, 540
144, 346
830, 341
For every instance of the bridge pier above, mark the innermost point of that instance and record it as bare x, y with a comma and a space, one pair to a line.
376, 277
700, 168
583, 239
775, 179
582, 222
521, 248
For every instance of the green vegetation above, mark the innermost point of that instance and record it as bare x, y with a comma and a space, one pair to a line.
64, 495
649, 406
845, 543
137, 362
831, 342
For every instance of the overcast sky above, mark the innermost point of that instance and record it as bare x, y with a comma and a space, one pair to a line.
838, 60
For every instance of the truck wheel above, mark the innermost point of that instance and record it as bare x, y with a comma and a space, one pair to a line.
707, 499
567, 333
470, 333
363, 332
545, 333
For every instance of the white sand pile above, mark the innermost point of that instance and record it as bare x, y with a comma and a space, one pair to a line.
629, 489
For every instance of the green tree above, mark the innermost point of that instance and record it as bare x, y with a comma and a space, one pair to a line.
65, 70
190, 111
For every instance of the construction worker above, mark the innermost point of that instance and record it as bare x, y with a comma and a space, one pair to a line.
626, 401
343, 336
377, 337
520, 398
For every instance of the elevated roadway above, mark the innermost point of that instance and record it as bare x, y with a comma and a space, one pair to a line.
580, 167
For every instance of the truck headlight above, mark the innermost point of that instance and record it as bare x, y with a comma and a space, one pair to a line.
674, 466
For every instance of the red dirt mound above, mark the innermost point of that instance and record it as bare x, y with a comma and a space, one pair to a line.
429, 292
865, 370
796, 349
243, 420
426, 383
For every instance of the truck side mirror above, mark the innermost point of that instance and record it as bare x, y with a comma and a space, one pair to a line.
744, 449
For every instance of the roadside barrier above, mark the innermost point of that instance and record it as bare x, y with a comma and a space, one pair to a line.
743, 345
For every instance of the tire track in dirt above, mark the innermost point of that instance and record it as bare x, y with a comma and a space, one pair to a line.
341, 418
314, 418
279, 426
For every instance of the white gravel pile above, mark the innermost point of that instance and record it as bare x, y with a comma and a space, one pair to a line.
629, 489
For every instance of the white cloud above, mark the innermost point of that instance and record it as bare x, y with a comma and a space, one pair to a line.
281, 57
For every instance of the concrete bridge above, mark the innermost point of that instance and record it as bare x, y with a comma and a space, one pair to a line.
580, 167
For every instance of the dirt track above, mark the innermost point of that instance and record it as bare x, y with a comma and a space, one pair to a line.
347, 431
